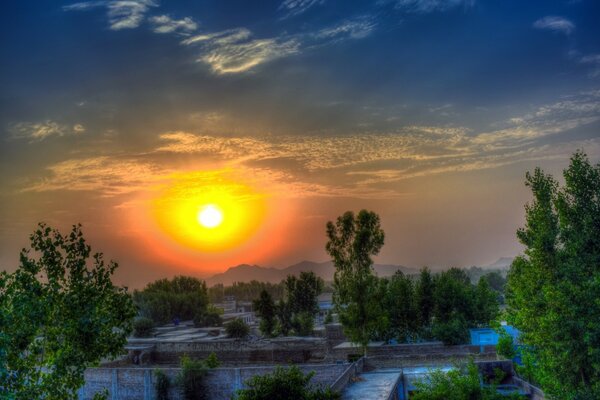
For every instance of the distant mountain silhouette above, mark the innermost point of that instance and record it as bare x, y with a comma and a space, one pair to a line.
325, 270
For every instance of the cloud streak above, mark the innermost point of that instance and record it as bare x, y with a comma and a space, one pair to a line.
122, 14
38, 131
556, 24
427, 6
166, 24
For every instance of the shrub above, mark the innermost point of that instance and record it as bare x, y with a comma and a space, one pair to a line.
505, 346
284, 384
237, 329
212, 361
191, 379
303, 323
210, 317
452, 332
162, 385
142, 327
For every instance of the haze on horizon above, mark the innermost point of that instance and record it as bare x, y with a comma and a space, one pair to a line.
124, 115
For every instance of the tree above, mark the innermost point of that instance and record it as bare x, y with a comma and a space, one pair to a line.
553, 288
192, 377
211, 316
461, 383
265, 308
353, 240
302, 292
400, 304
237, 329
59, 314
284, 384
182, 297
424, 299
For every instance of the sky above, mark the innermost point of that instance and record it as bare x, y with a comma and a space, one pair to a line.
130, 116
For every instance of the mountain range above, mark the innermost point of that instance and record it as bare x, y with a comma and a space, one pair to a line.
325, 270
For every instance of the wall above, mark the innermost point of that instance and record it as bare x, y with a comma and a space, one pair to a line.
138, 383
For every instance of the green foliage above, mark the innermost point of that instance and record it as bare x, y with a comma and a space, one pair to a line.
265, 308
401, 307
211, 316
58, 316
182, 297
212, 361
452, 331
303, 323
246, 291
461, 383
162, 385
302, 292
424, 300
553, 288
237, 329
284, 384
191, 379
353, 240
142, 327
284, 318
505, 346
328, 317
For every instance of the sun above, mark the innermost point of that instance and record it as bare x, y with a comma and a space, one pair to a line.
210, 216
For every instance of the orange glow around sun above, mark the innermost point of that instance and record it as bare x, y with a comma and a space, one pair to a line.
208, 213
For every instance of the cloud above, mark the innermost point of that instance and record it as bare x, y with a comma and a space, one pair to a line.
427, 6
235, 51
38, 131
594, 61
122, 14
297, 7
357, 28
556, 24
165, 24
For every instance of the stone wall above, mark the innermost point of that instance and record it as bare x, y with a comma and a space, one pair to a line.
281, 350
139, 383
534, 392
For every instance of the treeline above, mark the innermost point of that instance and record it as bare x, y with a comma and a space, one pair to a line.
295, 313
246, 291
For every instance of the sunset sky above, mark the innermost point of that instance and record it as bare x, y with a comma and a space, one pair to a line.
130, 116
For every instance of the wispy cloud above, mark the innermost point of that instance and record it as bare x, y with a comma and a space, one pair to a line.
122, 14
38, 131
292, 8
592, 60
556, 24
235, 50
166, 24
427, 6
356, 28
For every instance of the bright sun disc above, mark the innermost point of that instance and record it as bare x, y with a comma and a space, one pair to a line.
210, 216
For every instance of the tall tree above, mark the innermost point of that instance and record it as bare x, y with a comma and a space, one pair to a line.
401, 307
265, 308
424, 299
58, 316
353, 240
554, 287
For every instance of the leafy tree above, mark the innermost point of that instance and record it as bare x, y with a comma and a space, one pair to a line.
209, 317
284, 318
284, 384
553, 288
191, 379
486, 304
237, 329
303, 323
496, 281
265, 308
353, 240
461, 383
400, 304
58, 316
302, 292
142, 327
424, 299
182, 297
505, 346
162, 385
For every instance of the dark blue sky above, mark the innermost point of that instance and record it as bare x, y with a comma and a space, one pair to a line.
350, 102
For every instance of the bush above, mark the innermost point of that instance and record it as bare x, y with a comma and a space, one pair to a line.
303, 323
212, 361
191, 379
210, 317
237, 329
452, 332
162, 385
505, 346
142, 327
284, 384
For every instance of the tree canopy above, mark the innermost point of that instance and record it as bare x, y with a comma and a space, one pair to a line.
59, 314
554, 287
